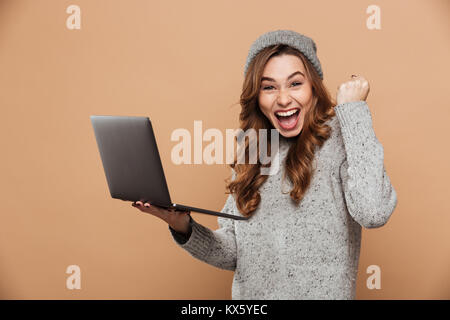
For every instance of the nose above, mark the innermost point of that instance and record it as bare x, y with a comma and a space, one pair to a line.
284, 98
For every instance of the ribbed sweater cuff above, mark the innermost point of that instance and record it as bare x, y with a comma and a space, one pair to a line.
356, 122
198, 242
354, 116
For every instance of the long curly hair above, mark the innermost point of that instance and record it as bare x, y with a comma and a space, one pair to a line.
299, 159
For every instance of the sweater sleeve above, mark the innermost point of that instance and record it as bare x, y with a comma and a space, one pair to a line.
215, 247
368, 192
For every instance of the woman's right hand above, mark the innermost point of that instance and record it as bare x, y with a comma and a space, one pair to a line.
176, 219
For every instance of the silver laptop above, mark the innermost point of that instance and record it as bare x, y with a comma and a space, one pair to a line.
132, 164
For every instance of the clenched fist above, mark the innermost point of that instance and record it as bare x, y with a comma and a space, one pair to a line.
355, 89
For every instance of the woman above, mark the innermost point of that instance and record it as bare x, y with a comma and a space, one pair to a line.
303, 238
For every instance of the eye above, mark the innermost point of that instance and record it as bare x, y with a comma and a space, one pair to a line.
268, 87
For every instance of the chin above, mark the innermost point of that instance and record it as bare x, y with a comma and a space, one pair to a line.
290, 134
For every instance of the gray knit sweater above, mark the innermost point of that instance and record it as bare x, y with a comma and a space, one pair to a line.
309, 251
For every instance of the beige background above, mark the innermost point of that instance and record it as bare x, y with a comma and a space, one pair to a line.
180, 61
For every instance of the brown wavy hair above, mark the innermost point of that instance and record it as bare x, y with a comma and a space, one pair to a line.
300, 156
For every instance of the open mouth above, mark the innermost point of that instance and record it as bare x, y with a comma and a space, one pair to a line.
288, 119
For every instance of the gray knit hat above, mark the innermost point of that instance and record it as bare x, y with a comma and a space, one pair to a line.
300, 42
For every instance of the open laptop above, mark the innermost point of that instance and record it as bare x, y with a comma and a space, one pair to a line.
132, 164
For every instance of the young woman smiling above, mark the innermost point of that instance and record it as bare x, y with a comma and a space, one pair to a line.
302, 240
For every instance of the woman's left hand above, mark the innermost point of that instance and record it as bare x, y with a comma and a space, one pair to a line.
355, 89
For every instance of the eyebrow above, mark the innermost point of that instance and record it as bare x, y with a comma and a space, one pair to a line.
270, 79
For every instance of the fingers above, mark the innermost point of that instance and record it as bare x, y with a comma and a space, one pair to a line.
355, 82
359, 79
141, 205
147, 207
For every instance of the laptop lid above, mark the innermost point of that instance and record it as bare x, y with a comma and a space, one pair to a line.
130, 158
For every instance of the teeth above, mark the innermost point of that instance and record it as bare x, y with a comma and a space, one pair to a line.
286, 114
